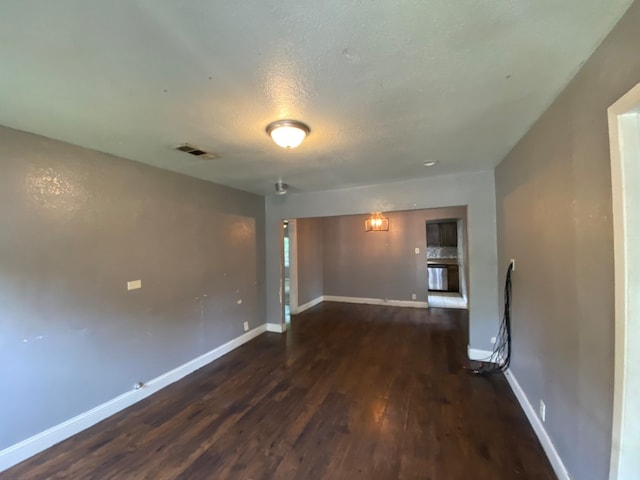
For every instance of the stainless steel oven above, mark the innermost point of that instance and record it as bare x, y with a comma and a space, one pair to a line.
438, 278
443, 277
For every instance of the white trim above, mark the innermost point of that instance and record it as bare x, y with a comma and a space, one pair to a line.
27, 448
293, 266
276, 327
538, 428
309, 305
376, 301
624, 147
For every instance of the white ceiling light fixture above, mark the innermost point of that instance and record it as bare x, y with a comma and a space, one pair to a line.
288, 133
430, 163
281, 187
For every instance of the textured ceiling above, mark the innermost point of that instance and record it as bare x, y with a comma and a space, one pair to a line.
384, 85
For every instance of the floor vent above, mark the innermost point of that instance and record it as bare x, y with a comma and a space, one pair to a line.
196, 152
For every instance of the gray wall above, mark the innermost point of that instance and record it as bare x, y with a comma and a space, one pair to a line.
310, 251
475, 190
554, 217
379, 264
75, 226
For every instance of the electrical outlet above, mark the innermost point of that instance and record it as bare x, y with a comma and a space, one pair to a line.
493, 340
543, 411
246, 326
417, 250
413, 296
513, 265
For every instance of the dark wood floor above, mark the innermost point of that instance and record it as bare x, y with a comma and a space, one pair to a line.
351, 392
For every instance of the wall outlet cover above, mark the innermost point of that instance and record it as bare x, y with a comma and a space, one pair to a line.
246, 326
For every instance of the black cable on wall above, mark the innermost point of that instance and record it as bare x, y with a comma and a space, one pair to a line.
500, 358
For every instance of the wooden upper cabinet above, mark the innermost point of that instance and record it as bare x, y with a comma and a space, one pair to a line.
433, 235
449, 234
442, 234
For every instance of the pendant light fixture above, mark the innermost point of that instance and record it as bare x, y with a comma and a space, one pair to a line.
288, 133
376, 223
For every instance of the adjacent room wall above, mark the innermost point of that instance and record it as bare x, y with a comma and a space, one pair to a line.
554, 217
475, 190
310, 253
380, 265
75, 226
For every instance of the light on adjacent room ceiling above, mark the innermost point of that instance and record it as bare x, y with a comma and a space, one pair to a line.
281, 187
288, 133
376, 223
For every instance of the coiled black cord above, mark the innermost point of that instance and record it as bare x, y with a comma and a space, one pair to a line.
500, 358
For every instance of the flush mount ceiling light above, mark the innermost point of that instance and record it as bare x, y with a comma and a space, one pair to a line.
281, 188
288, 133
430, 163
376, 223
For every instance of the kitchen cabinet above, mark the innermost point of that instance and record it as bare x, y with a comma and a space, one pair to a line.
453, 278
442, 234
433, 235
449, 234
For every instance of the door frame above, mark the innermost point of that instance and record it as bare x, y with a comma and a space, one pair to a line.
624, 142
293, 266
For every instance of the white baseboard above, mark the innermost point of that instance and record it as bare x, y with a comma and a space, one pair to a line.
538, 427
529, 411
276, 327
308, 305
376, 301
27, 448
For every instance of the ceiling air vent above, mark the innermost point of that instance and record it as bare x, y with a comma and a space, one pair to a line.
195, 151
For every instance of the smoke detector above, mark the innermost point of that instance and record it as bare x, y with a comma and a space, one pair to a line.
195, 151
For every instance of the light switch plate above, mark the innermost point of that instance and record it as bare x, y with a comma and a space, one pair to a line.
134, 284
417, 250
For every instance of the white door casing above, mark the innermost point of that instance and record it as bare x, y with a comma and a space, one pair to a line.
624, 137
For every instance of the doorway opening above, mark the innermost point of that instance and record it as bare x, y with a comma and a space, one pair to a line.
624, 138
447, 263
289, 270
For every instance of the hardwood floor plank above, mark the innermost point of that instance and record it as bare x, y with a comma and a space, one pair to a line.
350, 392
